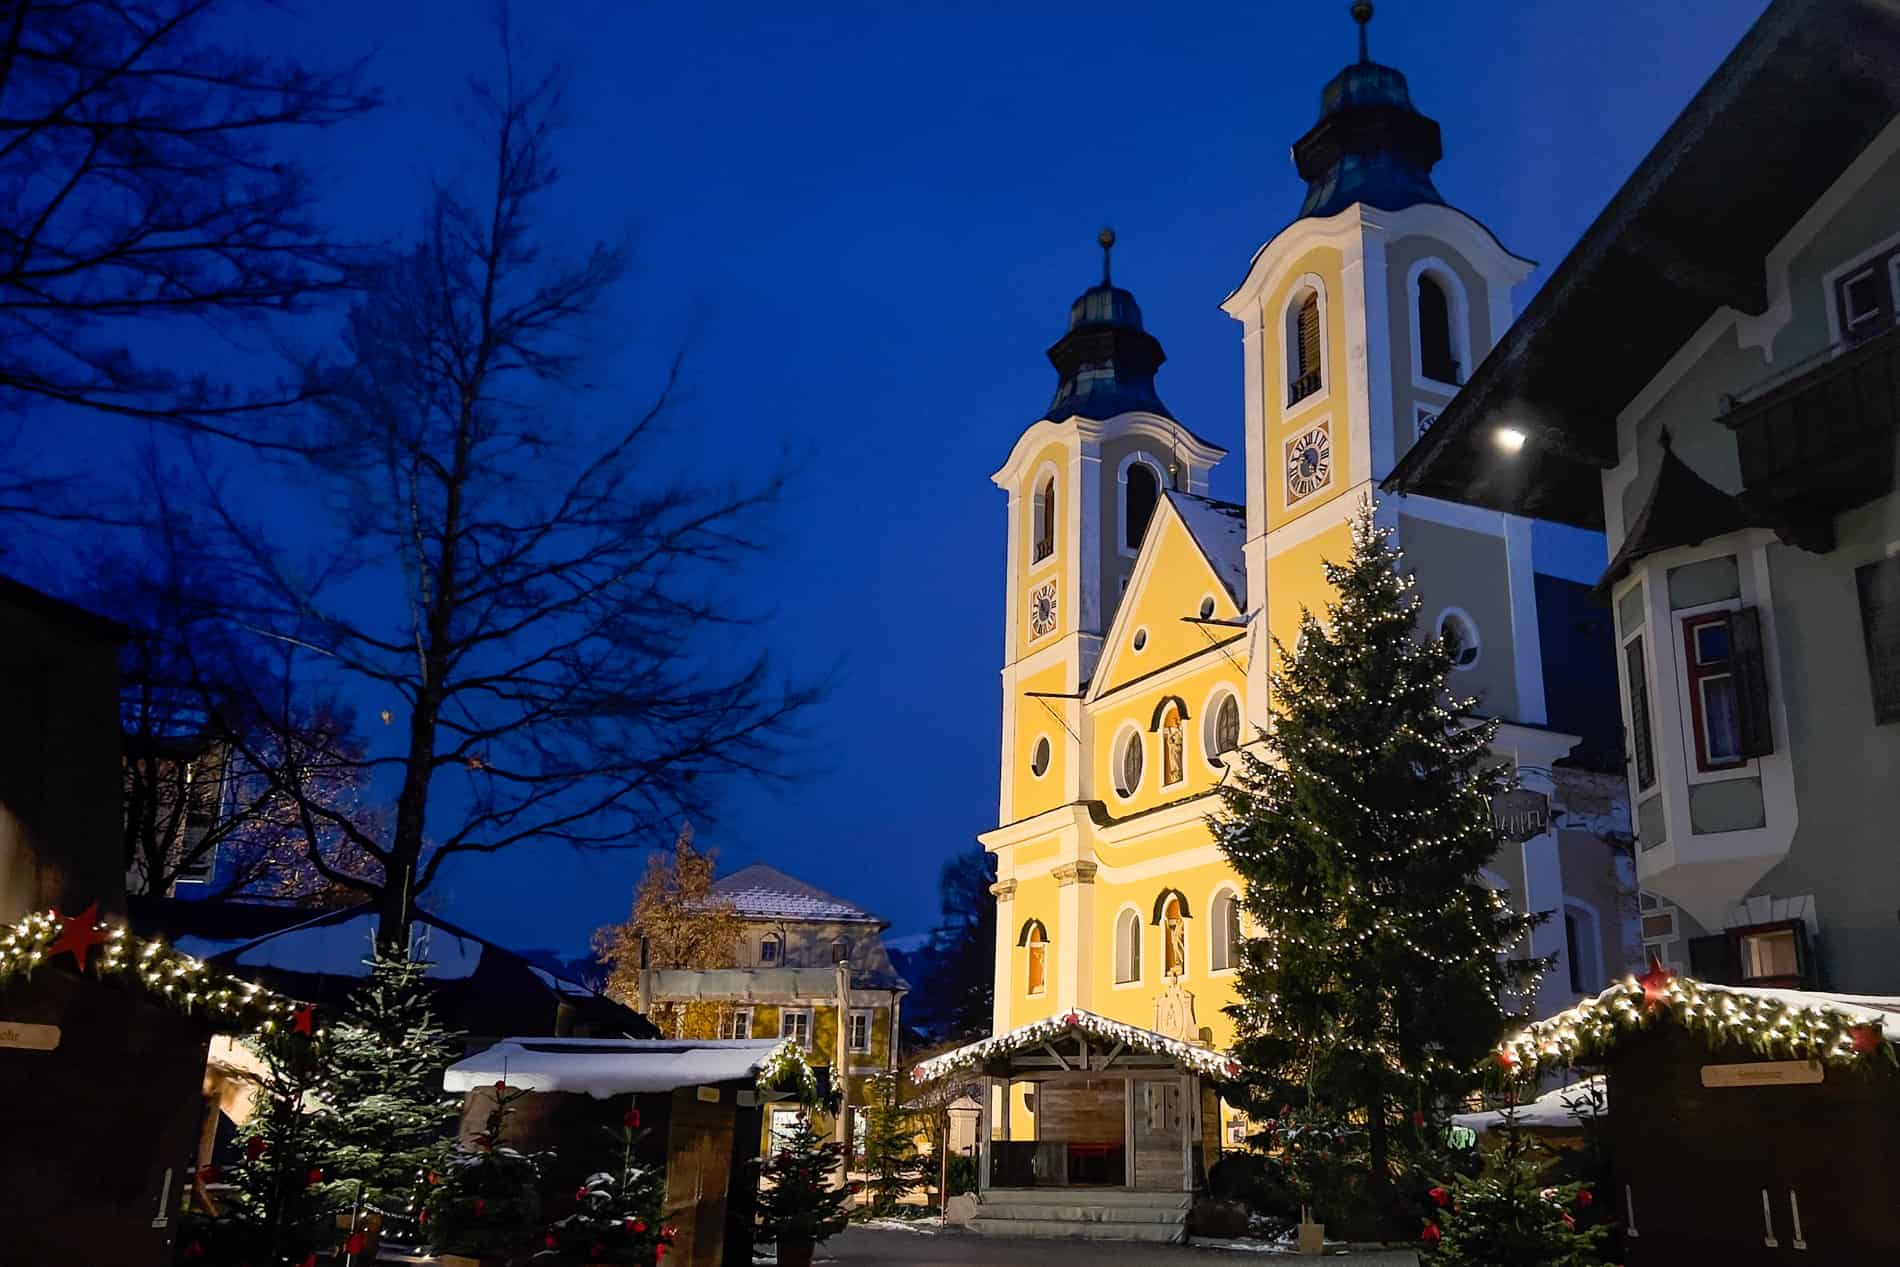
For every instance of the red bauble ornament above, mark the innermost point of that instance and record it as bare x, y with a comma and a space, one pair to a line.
78, 934
195, 1250
1440, 1197
256, 1147
210, 1174
1431, 1234
423, 1216
632, 1119
356, 1244
580, 1193
1570, 1222
1507, 1058
1655, 982
639, 1225
304, 1019
1418, 1118
315, 1175
501, 1086
1866, 1038
659, 1252
482, 1141
1584, 1197
310, 1260
434, 1178
481, 1205
1072, 1019
550, 1241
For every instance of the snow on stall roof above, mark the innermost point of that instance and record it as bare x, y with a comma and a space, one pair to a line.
341, 947
1883, 1010
603, 1067
1220, 528
1547, 1110
764, 892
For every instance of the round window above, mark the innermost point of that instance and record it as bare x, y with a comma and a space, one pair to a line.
1207, 608
1039, 763
1223, 729
1460, 636
1128, 769
1141, 639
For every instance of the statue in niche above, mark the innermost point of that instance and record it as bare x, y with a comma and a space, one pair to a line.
1174, 946
1174, 1013
1173, 768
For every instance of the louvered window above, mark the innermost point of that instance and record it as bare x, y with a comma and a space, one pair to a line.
1642, 750
1305, 379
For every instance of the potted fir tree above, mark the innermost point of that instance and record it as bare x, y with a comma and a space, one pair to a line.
616, 1217
805, 1201
484, 1210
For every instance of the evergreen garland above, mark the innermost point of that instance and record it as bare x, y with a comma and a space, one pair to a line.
1373, 985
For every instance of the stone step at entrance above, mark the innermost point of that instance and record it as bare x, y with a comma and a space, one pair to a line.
1085, 1214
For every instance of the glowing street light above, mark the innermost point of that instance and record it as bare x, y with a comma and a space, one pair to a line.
1510, 439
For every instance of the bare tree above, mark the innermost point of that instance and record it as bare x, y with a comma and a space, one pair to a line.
539, 601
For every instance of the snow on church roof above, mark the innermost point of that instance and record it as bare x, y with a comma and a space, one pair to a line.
763, 892
1220, 529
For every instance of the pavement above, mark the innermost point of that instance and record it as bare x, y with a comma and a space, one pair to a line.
892, 1247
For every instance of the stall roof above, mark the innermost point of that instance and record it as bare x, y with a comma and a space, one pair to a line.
603, 1067
1116, 1035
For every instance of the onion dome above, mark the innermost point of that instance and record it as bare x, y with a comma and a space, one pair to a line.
1106, 363
1370, 145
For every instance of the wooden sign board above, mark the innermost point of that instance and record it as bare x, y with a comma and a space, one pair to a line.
30, 1037
1520, 815
709, 1094
1764, 1073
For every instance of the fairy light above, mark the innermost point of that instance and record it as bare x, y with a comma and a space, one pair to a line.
1201, 1060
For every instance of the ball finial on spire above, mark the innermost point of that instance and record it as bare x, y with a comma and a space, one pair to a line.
1362, 14
1107, 238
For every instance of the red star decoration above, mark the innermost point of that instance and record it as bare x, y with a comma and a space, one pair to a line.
77, 936
304, 1019
1866, 1038
1655, 982
1072, 1019
1507, 1057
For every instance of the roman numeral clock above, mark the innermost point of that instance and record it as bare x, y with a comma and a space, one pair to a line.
1042, 610
1309, 462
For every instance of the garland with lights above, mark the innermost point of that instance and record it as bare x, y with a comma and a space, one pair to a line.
785, 1069
1778, 1024
169, 976
1201, 1060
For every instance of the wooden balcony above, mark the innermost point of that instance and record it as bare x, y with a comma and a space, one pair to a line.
1820, 440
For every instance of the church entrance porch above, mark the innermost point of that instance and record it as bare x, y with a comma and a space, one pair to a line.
1089, 1127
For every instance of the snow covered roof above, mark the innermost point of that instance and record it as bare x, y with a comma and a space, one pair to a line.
602, 1067
338, 944
1797, 1024
1551, 1110
1119, 1036
1220, 529
764, 892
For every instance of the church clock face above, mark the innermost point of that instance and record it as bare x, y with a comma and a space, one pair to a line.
1309, 463
1042, 610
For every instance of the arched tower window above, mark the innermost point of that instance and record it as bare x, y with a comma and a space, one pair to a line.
1436, 358
1173, 938
1045, 521
1303, 372
1225, 917
1173, 747
1127, 947
1140, 493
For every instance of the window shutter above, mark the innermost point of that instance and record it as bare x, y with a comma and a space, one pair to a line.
1751, 680
1309, 336
1641, 751
1879, 585
1714, 960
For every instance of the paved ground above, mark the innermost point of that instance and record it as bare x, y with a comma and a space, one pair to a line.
862, 1247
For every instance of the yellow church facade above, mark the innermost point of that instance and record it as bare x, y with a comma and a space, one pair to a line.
1142, 613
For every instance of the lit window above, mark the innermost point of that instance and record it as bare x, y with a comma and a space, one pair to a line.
795, 1024
1128, 769
1127, 947
1714, 695
771, 950
860, 1032
1039, 762
1770, 956
736, 1023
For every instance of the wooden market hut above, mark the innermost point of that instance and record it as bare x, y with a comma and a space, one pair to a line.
1089, 1126
1744, 1123
700, 1108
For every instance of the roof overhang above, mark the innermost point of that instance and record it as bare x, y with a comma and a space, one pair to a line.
1078, 1041
1807, 89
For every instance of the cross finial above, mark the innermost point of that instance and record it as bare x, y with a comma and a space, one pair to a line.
1107, 238
1362, 14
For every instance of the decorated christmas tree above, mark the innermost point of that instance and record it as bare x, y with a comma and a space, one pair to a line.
616, 1216
1508, 1217
385, 1120
487, 1202
276, 1209
801, 1201
892, 1167
1373, 983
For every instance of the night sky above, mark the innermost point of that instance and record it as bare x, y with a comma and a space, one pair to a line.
865, 223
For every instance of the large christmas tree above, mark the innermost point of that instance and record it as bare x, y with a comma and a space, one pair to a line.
1375, 981
385, 1120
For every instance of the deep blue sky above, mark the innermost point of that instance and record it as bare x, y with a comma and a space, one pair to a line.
866, 222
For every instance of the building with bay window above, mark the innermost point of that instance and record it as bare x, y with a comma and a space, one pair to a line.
1736, 442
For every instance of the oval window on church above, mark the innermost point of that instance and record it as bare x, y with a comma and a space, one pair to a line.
1223, 728
1039, 763
1128, 765
1460, 634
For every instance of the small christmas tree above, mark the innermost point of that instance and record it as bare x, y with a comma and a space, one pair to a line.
386, 1120
277, 1210
616, 1216
800, 1200
487, 1203
1508, 1217
1375, 980
891, 1163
